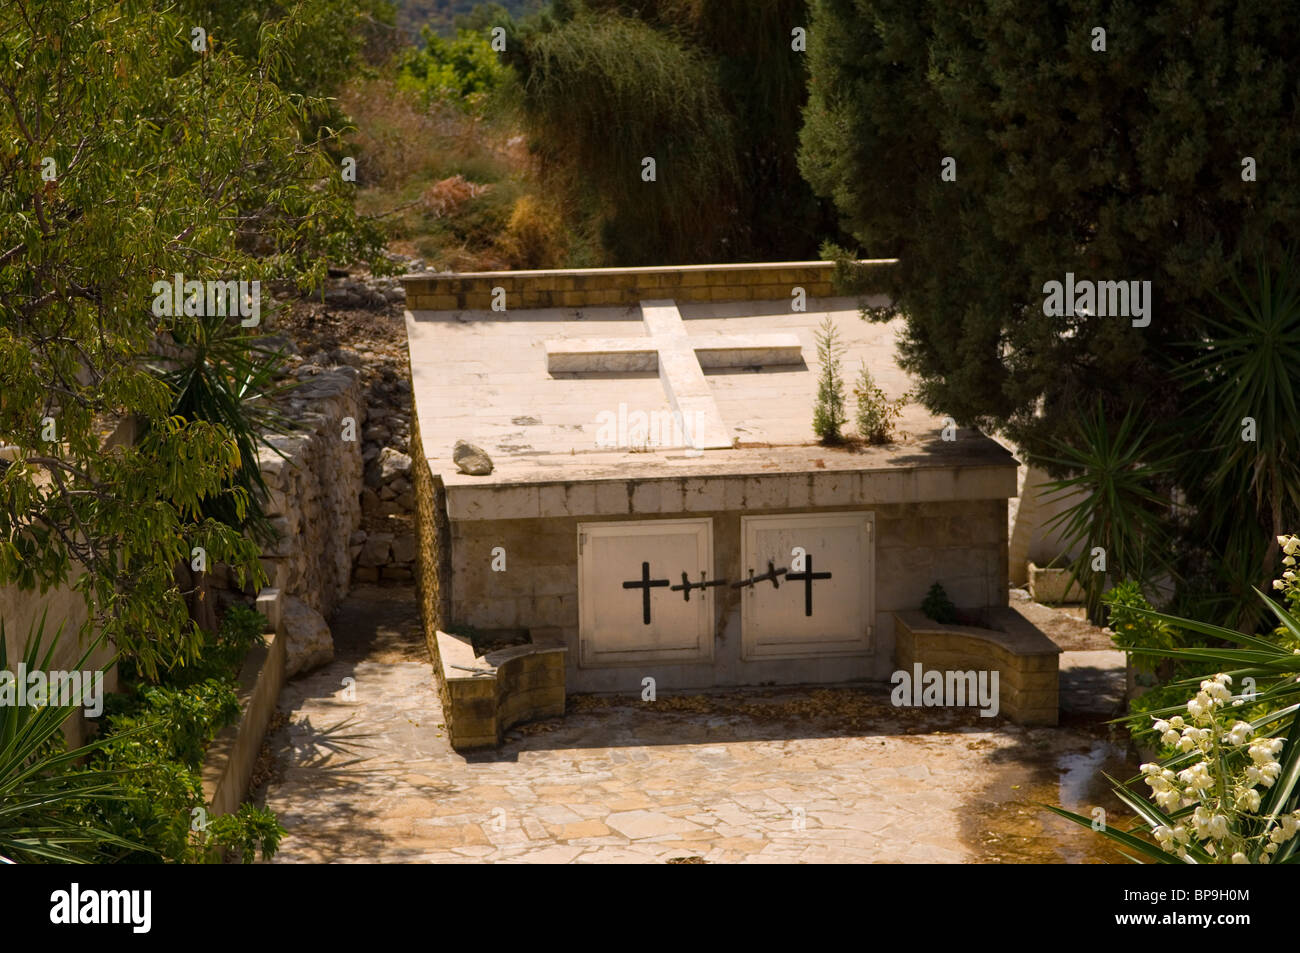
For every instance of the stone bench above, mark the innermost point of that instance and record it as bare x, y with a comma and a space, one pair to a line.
1026, 660
488, 693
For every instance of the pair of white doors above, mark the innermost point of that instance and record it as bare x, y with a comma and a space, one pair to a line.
647, 588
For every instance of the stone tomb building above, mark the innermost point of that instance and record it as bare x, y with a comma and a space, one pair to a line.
659, 506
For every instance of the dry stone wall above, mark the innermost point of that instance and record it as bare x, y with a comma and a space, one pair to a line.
313, 481
313, 477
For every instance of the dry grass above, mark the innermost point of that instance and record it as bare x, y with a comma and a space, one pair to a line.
453, 187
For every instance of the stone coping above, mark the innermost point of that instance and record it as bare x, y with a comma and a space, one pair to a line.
1018, 636
592, 287
750, 266
584, 494
459, 650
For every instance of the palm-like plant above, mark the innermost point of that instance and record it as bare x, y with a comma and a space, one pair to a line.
227, 376
1118, 471
1245, 382
1248, 818
40, 785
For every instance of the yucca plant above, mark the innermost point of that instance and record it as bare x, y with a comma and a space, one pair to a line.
1118, 469
225, 375
1243, 382
41, 785
1249, 367
1231, 793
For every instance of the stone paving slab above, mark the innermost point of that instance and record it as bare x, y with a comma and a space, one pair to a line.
386, 786
362, 772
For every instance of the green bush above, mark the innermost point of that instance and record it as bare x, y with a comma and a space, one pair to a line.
938, 606
875, 413
156, 737
1133, 631
462, 71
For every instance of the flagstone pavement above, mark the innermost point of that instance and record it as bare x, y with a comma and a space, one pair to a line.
362, 772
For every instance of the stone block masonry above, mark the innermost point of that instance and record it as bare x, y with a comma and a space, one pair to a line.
483, 695
568, 520
602, 287
959, 543
433, 546
1027, 661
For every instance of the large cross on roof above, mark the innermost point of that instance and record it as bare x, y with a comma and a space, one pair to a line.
680, 359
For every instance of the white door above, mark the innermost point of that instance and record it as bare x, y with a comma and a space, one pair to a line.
820, 599
640, 591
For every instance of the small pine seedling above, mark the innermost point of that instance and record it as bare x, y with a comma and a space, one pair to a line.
828, 413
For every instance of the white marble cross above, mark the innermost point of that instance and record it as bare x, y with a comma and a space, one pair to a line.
680, 359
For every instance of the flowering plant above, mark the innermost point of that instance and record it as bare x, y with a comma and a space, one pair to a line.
1230, 793
1223, 790
1289, 584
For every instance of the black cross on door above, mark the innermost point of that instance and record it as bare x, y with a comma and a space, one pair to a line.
645, 584
808, 576
771, 576
686, 586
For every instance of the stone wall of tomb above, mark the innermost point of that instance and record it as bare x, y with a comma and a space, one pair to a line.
962, 544
433, 545
625, 286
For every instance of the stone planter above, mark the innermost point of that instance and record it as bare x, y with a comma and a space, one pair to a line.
483, 695
1053, 586
1027, 661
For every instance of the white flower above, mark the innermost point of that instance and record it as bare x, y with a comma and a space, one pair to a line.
1239, 858
1218, 827
1241, 733
1248, 800
1169, 800
1170, 737
1197, 777
1260, 752
1201, 821
1217, 689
